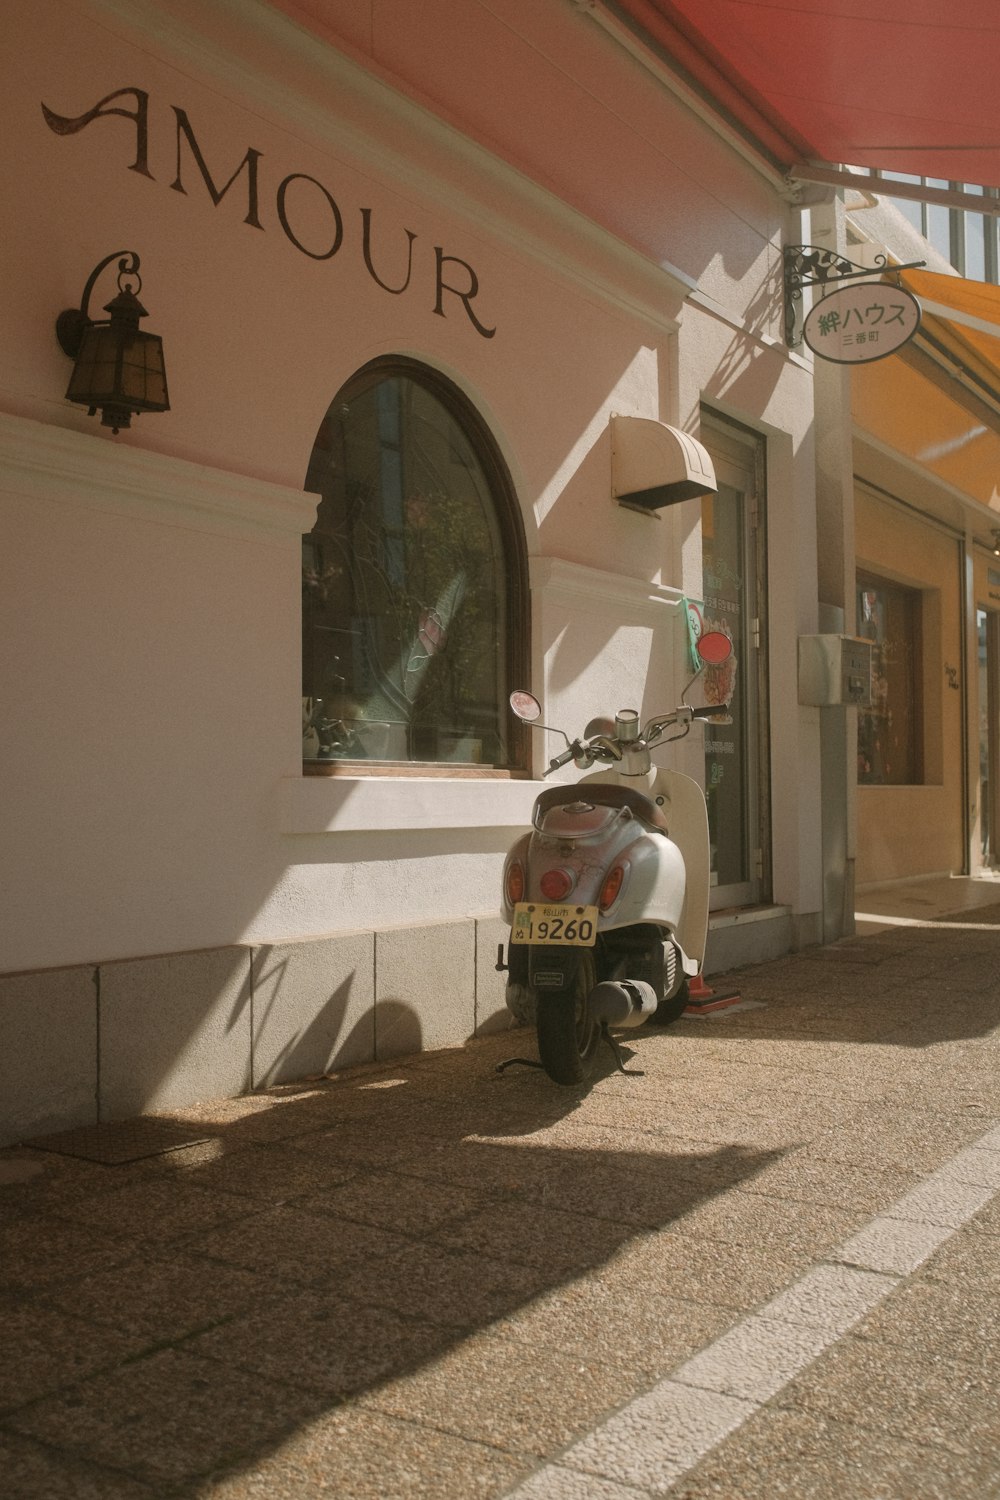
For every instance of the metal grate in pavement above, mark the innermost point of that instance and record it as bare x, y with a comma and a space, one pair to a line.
121, 1141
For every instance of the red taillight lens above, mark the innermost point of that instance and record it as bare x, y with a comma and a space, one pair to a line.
515, 882
556, 885
612, 885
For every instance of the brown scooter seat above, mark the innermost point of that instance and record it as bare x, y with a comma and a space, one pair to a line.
606, 794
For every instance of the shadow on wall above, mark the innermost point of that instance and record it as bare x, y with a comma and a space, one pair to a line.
140, 1035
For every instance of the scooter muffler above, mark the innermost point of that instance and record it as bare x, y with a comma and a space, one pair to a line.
621, 1002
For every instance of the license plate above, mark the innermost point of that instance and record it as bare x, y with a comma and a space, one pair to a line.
567, 926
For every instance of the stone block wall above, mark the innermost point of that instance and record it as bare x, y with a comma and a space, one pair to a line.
113, 1040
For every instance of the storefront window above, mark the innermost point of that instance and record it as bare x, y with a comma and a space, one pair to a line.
412, 579
890, 733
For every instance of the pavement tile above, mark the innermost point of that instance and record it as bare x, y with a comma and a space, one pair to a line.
906, 1140
704, 1271
649, 1191
292, 1244
651, 1333
430, 1238
391, 1200
45, 1349
751, 1220
895, 1389
789, 1455
974, 1165
533, 1234
33, 1472
163, 1298
967, 1260
356, 1454
804, 1178
941, 1199
154, 1212
277, 1115
38, 1250
168, 1418
833, 1297
553, 1482
36, 1179
932, 1316
655, 1439
895, 1246
755, 1359
484, 1389
318, 1342
269, 1173
987, 1220
458, 1289
363, 1143
493, 1165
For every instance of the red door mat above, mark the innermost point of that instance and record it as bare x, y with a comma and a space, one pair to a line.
702, 1000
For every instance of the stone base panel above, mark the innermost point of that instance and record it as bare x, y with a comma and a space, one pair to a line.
114, 1040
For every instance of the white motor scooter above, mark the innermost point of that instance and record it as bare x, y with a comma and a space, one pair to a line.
607, 896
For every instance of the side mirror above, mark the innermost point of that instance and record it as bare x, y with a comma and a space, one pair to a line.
714, 647
525, 705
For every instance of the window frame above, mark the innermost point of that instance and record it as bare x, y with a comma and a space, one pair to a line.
913, 600
507, 514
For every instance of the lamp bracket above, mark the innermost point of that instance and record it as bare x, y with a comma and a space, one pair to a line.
73, 322
812, 265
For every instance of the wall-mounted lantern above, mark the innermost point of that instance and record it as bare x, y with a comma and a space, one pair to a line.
118, 369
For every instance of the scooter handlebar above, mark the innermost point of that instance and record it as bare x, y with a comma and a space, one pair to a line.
564, 759
718, 711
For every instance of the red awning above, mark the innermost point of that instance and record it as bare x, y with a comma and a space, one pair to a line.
902, 85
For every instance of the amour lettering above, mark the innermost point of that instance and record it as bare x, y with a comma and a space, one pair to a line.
301, 203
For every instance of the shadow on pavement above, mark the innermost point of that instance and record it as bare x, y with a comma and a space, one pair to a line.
906, 986
177, 1317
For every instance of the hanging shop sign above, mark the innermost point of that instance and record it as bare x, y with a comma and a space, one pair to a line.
854, 325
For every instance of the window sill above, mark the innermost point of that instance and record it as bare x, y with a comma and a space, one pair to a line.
386, 804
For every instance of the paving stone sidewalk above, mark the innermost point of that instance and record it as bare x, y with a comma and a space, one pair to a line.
423, 1278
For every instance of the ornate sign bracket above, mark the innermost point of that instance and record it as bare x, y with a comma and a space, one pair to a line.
810, 265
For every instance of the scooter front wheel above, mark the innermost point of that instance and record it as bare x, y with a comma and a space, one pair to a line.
567, 1033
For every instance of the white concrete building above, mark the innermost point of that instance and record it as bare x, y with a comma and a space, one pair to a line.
409, 264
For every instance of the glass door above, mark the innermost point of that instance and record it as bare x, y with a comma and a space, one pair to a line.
736, 753
988, 688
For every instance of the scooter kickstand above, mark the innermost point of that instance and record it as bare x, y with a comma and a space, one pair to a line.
517, 1062
616, 1053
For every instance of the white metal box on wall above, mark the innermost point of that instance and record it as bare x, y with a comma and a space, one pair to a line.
835, 669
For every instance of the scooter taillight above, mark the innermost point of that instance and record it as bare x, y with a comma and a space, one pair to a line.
611, 888
514, 881
555, 885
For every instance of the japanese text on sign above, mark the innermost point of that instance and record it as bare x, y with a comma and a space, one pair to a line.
859, 323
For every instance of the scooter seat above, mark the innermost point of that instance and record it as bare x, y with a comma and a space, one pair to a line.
605, 794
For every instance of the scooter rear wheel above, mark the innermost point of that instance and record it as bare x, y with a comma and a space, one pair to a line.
567, 1033
669, 1011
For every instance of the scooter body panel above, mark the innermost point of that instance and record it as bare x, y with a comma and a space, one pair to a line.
653, 887
683, 804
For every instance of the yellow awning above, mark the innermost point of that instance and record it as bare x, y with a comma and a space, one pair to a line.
936, 402
964, 316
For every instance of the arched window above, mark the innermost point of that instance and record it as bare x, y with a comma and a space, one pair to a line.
414, 587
